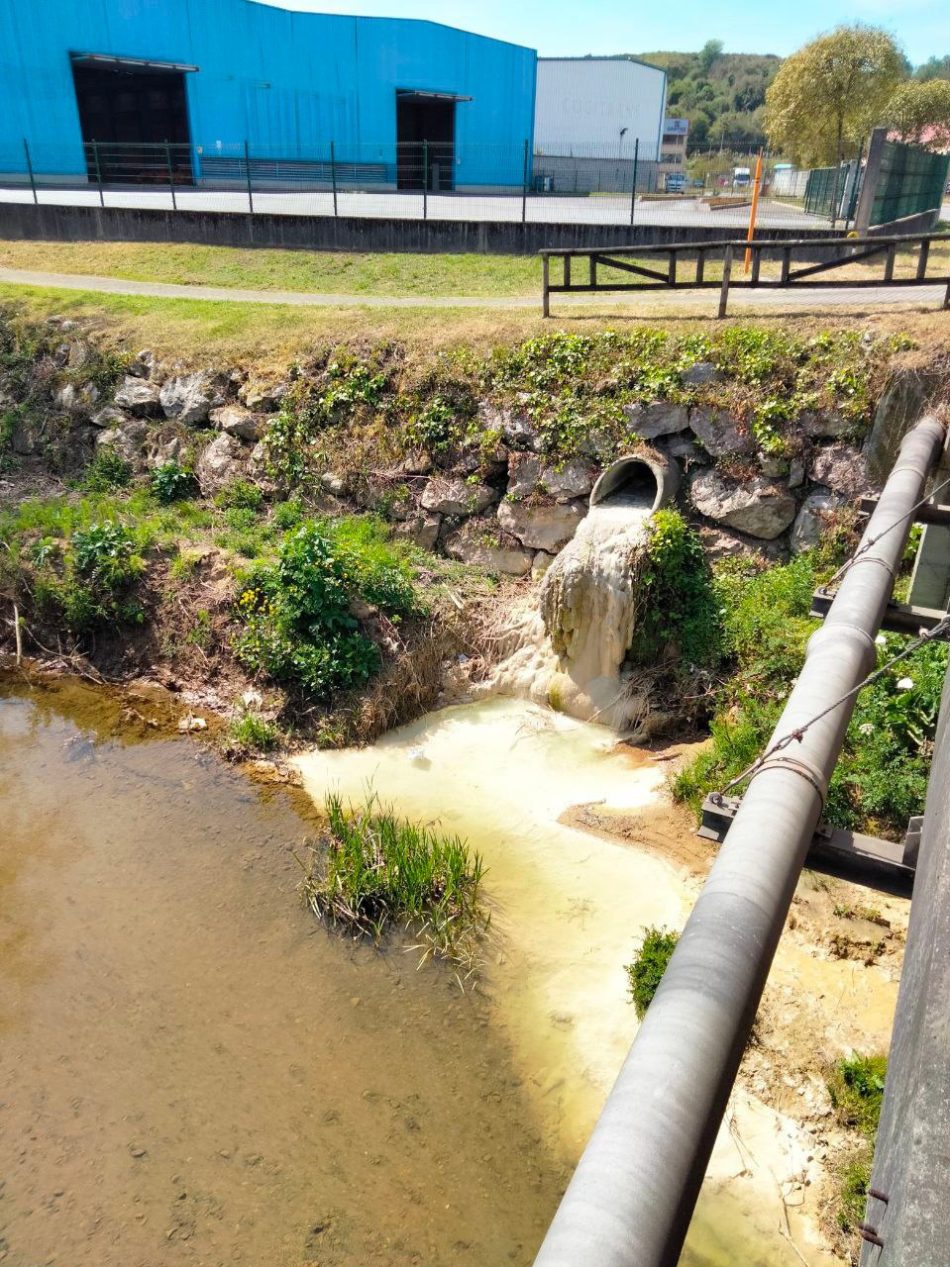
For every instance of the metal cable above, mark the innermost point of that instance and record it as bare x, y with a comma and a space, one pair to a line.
872, 541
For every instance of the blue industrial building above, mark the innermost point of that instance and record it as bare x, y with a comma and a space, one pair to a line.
98, 87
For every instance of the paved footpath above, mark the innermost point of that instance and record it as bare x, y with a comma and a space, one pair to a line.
772, 300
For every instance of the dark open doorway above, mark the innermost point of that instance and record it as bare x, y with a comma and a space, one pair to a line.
127, 114
422, 118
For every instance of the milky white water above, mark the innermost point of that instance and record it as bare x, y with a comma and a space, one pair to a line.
568, 910
571, 642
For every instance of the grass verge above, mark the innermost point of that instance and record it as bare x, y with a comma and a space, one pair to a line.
262, 268
376, 869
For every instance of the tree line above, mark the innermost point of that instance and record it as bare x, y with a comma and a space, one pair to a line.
816, 107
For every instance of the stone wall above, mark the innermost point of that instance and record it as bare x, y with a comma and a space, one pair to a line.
506, 508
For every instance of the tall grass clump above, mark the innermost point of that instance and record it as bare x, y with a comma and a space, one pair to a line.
646, 972
377, 869
856, 1086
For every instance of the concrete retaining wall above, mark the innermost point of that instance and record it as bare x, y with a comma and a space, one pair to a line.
343, 233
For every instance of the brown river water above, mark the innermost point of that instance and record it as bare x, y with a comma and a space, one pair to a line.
192, 1071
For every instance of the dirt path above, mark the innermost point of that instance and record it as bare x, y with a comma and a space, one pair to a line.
772, 301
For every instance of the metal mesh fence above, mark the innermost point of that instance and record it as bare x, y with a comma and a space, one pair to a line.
832, 192
622, 184
912, 181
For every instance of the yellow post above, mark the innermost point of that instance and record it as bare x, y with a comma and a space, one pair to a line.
756, 186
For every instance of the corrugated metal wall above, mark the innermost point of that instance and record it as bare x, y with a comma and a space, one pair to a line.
584, 102
288, 82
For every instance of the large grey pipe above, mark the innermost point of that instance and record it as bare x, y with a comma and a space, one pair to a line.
632, 1196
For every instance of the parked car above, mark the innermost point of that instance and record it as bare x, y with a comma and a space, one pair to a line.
675, 183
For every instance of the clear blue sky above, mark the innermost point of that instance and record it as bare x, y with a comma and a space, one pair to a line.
575, 27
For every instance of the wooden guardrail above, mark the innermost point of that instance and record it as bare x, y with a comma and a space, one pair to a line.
626, 260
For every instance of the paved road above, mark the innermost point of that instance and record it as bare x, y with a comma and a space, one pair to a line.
773, 300
607, 209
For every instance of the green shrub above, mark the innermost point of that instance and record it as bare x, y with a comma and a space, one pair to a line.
646, 971
107, 471
88, 580
173, 482
678, 615
240, 495
299, 627
377, 868
288, 514
252, 732
856, 1087
853, 1181
105, 553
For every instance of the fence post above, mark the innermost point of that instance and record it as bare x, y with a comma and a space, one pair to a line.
524, 185
633, 191
29, 168
726, 275
545, 281
171, 174
333, 175
425, 180
95, 155
872, 176
922, 259
247, 176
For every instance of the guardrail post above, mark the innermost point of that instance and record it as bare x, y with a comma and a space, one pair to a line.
922, 258
593, 271
700, 266
545, 281
95, 155
29, 169
247, 176
425, 180
786, 264
333, 175
633, 189
726, 275
756, 264
524, 185
889, 262
171, 174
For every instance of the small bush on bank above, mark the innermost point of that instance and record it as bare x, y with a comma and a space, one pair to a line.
89, 579
646, 971
376, 869
678, 612
299, 623
106, 472
173, 482
240, 494
253, 733
856, 1087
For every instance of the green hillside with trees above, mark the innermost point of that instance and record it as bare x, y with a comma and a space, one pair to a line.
722, 94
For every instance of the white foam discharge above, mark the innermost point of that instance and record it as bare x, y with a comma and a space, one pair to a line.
568, 650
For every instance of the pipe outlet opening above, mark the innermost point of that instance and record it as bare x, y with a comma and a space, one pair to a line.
637, 481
